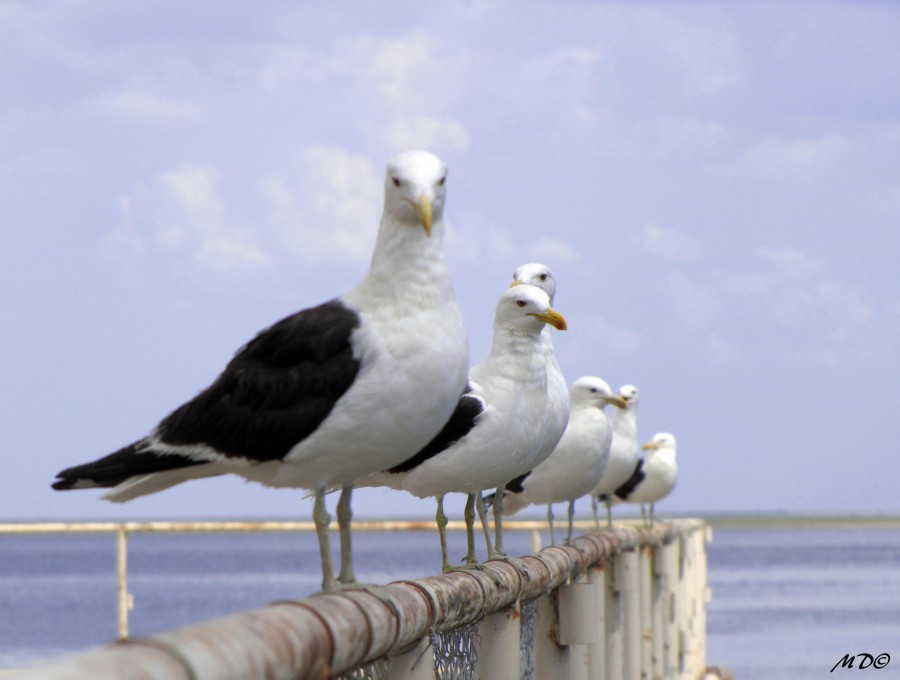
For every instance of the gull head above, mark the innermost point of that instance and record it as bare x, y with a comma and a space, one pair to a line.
536, 274
526, 309
661, 440
414, 189
629, 396
594, 391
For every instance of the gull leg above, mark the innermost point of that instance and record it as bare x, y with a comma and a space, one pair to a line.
496, 553
345, 518
482, 515
571, 518
594, 510
550, 522
644, 514
609, 513
322, 520
498, 524
651, 514
441, 520
469, 514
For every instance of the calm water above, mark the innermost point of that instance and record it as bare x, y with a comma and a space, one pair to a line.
787, 604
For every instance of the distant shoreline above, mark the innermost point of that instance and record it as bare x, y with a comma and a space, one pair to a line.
803, 521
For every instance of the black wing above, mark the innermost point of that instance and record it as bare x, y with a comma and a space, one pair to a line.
276, 391
627, 488
512, 486
117, 467
515, 485
461, 422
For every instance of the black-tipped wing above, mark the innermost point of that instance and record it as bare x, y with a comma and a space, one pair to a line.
460, 424
515, 485
628, 486
273, 394
117, 467
276, 391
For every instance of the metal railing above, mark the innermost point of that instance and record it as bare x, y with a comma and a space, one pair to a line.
622, 604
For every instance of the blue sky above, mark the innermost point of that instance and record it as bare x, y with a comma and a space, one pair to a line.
716, 186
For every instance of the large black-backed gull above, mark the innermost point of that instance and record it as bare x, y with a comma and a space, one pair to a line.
331, 393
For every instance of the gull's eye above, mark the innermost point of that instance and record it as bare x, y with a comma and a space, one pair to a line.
396, 181
594, 390
442, 180
543, 277
521, 303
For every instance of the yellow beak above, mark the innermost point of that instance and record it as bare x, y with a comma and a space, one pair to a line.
423, 212
649, 446
617, 402
515, 282
551, 317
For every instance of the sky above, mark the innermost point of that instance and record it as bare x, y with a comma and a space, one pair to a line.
715, 185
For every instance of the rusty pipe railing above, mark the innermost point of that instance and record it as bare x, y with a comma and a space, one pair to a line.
330, 634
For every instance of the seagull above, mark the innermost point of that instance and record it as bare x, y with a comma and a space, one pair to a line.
493, 434
654, 476
557, 410
541, 276
329, 394
577, 462
622, 454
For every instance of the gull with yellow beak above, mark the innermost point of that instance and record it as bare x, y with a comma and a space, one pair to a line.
578, 461
494, 433
654, 475
623, 452
540, 275
329, 394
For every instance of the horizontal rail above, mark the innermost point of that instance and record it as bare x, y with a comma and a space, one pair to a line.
329, 634
213, 526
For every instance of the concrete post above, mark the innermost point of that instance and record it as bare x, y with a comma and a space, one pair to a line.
499, 655
597, 651
629, 584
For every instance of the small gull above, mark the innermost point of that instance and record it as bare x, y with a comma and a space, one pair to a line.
492, 436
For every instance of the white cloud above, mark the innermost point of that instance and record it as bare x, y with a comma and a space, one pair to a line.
666, 243
791, 262
701, 44
475, 239
426, 132
552, 250
796, 298
694, 304
792, 158
844, 304
331, 209
600, 342
686, 137
124, 244
403, 69
181, 217
786, 270
141, 107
